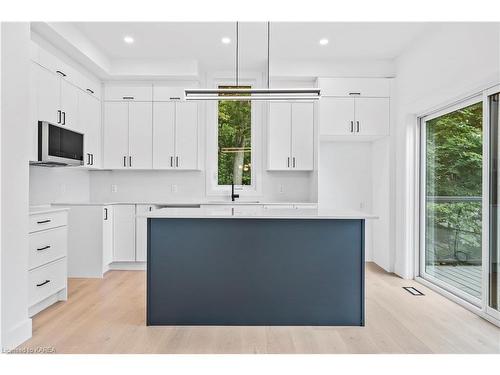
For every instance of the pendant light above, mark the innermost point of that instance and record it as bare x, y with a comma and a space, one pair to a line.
244, 94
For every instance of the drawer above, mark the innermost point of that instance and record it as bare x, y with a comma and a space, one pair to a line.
48, 220
369, 87
46, 280
131, 92
47, 246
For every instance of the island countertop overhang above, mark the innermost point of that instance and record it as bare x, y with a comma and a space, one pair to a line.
257, 213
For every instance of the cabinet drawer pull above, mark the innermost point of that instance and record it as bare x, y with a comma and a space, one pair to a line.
61, 73
42, 284
43, 248
91, 91
128, 97
44, 221
354, 93
175, 98
357, 126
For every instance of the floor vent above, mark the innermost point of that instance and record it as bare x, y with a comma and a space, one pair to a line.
413, 291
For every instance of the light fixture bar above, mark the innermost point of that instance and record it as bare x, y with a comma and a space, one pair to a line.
236, 91
254, 98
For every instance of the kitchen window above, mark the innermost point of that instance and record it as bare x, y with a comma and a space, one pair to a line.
234, 141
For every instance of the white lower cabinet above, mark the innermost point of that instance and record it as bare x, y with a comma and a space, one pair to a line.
47, 270
107, 236
141, 231
124, 233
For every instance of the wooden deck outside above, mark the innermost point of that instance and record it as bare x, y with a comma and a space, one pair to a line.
465, 278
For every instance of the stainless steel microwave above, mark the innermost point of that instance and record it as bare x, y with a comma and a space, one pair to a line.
58, 146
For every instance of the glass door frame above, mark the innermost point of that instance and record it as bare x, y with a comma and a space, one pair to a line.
422, 217
486, 202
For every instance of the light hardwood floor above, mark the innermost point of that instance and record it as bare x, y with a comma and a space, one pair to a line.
108, 316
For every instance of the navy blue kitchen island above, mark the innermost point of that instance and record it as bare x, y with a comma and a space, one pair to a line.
264, 267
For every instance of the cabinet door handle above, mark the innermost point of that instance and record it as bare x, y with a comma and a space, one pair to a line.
354, 93
91, 91
59, 116
92, 159
176, 161
60, 73
105, 214
44, 221
43, 248
293, 160
171, 161
130, 161
42, 284
124, 161
64, 118
288, 162
128, 97
352, 126
88, 158
357, 126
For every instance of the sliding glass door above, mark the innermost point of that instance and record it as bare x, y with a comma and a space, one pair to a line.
451, 199
494, 199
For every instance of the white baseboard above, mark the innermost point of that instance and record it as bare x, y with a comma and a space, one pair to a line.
61, 295
16, 336
128, 266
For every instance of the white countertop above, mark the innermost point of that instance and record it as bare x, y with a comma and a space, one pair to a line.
192, 203
256, 213
45, 209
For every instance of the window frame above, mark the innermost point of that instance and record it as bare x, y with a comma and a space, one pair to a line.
257, 124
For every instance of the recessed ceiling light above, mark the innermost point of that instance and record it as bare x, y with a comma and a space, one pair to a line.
226, 40
128, 40
323, 41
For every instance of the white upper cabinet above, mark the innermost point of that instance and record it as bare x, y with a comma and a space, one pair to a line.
175, 141
128, 135
280, 132
354, 107
115, 135
89, 117
69, 106
140, 135
167, 93
303, 136
336, 116
48, 92
291, 136
186, 135
372, 116
163, 135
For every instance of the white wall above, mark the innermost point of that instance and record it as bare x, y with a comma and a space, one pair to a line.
15, 140
452, 62
58, 185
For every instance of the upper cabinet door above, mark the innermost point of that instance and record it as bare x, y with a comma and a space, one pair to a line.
140, 135
336, 116
163, 135
48, 94
280, 131
186, 135
372, 116
89, 118
69, 106
116, 135
303, 136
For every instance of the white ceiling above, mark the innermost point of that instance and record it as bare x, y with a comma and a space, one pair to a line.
201, 41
